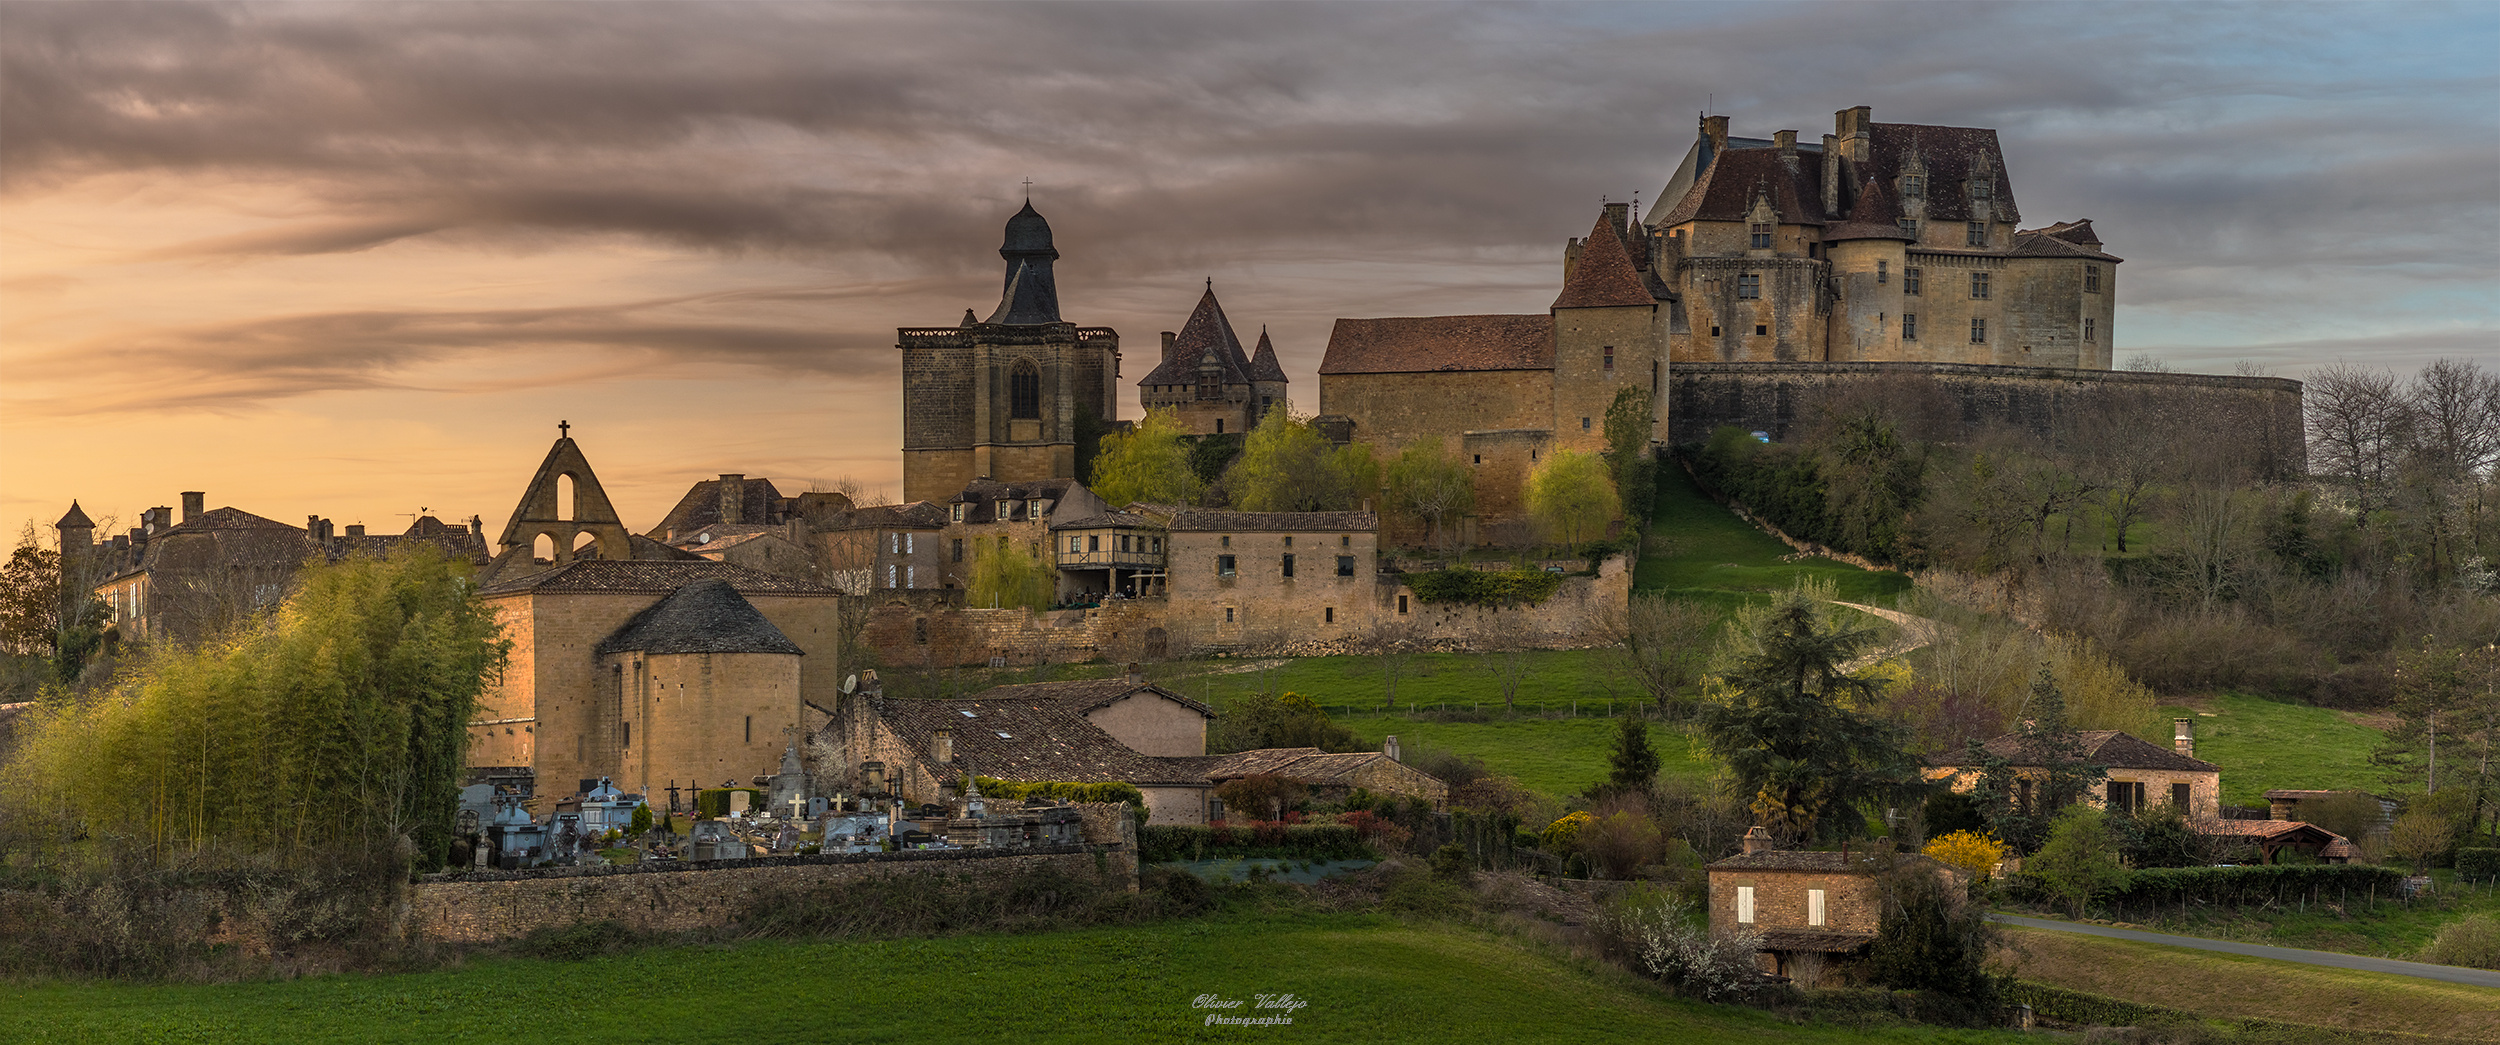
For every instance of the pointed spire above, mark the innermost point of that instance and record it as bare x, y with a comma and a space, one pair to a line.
1604, 276
75, 520
1207, 333
1263, 364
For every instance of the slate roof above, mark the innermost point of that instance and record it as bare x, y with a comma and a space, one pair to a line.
1727, 190
700, 507
1088, 694
2078, 232
1948, 156
1205, 520
76, 517
1207, 335
650, 576
1028, 232
984, 491
1044, 738
1604, 277
2042, 245
918, 515
230, 519
1873, 217
1423, 344
1263, 364
706, 616
2106, 747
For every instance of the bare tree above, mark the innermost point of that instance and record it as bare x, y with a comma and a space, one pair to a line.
1393, 646
1511, 671
1664, 645
2360, 425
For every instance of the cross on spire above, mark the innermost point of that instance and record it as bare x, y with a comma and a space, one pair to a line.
564, 429
1210, 284
1028, 190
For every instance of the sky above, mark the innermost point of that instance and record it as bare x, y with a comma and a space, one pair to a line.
358, 260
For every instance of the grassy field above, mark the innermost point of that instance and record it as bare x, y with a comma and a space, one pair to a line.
2389, 930
2231, 985
1365, 978
1700, 550
2263, 744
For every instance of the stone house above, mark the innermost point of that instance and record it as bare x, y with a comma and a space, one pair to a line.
1005, 397
989, 513
1251, 578
1109, 552
1331, 777
1814, 910
1207, 381
2139, 774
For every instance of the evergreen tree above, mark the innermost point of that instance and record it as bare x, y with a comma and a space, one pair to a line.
1633, 765
2019, 802
1793, 734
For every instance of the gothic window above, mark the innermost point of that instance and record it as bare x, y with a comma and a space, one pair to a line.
1979, 286
1909, 281
2089, 335
1975, 233
1761, 235
2091, 279
1978, 331
1749, 287
1024, 392
1909, 326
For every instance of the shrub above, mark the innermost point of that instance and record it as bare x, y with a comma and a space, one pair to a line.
575, 942
1622, 842
2080, 861
1660, 934
1452, 863
2478, 863
1064, 791
1485, 587
1167, 843
2472, 941
1971, 851
1563, 835
1261, 795
2237, 886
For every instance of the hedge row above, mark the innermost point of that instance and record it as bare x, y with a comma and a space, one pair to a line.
1065, 791
714, 802
1168, 843
2233, 886
1485, 587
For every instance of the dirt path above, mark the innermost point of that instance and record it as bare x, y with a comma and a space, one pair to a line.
1915, 632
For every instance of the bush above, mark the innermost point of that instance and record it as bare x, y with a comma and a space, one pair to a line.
1064, 791
1485, 587
1261, 796
1169, 843
2237, 886
1971, 851
2478, 863
1563, 835
1661, 935
2472, 941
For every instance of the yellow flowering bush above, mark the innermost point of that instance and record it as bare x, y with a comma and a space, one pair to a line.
1968, 850
1561, 835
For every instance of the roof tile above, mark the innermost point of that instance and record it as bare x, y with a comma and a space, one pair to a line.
1423, 344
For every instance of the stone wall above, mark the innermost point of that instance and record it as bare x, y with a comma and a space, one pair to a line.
2256, 419
678, 896
1851, 902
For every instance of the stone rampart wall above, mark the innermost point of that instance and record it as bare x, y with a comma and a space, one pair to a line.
2256, 419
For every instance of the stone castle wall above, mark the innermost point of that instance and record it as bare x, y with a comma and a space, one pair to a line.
2257, 419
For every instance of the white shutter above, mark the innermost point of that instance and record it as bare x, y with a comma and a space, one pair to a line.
1814, 907
1744, 905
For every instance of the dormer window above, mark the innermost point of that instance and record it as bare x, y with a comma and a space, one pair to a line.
1913, 186
1003, 512
1981, 188
1033, 508
1908, 225
1761, 235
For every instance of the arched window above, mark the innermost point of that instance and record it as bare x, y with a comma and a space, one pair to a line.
1024, 392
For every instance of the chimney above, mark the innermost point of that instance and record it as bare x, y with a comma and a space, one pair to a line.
1389, 747
942, 744
1136, 675
1757, 840
1715, 129
1618, 217
1168, 338
2183, 736
1787, 142
1831, 177
194, 504
733, 498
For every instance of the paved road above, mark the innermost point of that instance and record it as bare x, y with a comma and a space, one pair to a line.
2450, 973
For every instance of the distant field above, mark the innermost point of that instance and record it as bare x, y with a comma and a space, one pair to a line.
1366, 978
2387, 930
1698, 549
2214, 984
2263, 745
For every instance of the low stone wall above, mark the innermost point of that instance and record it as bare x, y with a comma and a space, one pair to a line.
2256, 418
498, 905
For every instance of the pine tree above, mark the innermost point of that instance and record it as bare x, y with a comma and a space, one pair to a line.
1792, 735
1633, 765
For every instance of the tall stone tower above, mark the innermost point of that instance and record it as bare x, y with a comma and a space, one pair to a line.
1005, 397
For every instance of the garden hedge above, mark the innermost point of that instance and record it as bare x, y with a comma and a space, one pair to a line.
2236, 886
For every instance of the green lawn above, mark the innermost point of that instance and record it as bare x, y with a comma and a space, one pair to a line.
1364, 978
2389, 930
1699, 549
1551, 756
2263, 745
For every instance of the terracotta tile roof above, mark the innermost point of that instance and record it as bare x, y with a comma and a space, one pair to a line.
1088, 694
1423, 344
705, 616
2339, 848
1827, 941
649, 576
1030, 739
700, 507
1727, 190
1873, 217
1205, 520
1604, 277
2270, 832
1105, 519
2106, 747
1263, 364
1852, 862
1207, 334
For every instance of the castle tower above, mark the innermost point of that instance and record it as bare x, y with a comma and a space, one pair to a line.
77, 543
1207, 380
1609, 334
1008, 397
1870, 264
564, 503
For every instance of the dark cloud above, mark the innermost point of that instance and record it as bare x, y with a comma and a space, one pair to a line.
2233, 157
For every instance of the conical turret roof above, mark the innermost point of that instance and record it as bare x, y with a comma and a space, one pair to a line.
76, 519
1263, 364
1207, 334
1604, 276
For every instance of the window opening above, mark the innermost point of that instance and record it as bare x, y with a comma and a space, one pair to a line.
1749, 287
1024, 390
1909, 280
1978, 331
1909, 326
